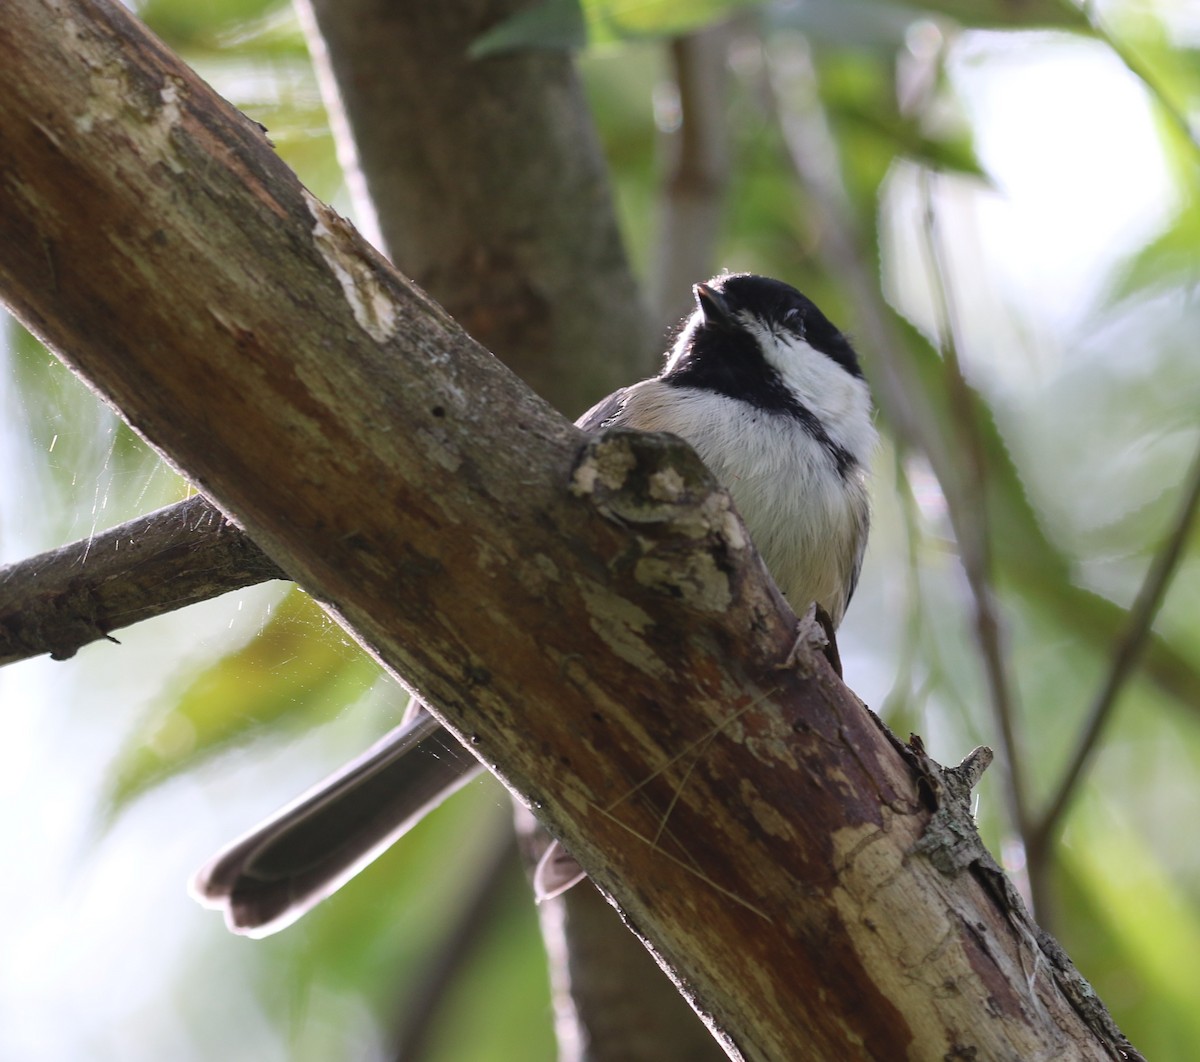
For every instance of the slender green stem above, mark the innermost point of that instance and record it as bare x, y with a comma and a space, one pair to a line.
968, 514
1125, 657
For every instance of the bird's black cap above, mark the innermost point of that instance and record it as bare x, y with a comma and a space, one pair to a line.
777, 305
722, 352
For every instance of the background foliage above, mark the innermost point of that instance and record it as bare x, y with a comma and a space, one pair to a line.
1021, 183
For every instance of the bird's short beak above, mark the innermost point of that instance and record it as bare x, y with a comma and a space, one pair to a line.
712, 304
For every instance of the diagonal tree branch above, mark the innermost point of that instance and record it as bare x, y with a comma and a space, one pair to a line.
972, 531
581, 615
527, 254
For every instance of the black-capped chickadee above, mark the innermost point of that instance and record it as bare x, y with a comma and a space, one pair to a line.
771, 396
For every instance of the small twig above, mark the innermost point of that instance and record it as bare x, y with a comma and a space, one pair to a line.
968, 514
440, 972
895, 379
60, 601
1125, 656
900, 696
695, 171
790, 89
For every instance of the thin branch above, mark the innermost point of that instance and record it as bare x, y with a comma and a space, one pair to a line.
60, 601
815, 159
971, 528
900, 697
696, 168
791, 91
454, 951
1125, 656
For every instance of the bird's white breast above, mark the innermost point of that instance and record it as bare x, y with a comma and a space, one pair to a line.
808, 522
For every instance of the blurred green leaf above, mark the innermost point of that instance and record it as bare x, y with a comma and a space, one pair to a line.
503, 990
572, 24
299, 667
858, 24
378, 939
272, 34
254, 54
552, 24
86, 469
901, 136
1174, 256
187, 26
614, 20
1004, 14
59, 414
853, 84
1170, 73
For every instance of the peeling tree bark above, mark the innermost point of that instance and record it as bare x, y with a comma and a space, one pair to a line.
588, 617
524, 250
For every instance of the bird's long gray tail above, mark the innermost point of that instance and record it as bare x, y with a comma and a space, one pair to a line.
267, 879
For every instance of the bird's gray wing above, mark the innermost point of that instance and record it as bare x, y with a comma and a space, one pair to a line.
860, 550
604, 412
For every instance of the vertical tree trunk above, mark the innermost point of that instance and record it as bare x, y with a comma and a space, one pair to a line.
490, 188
